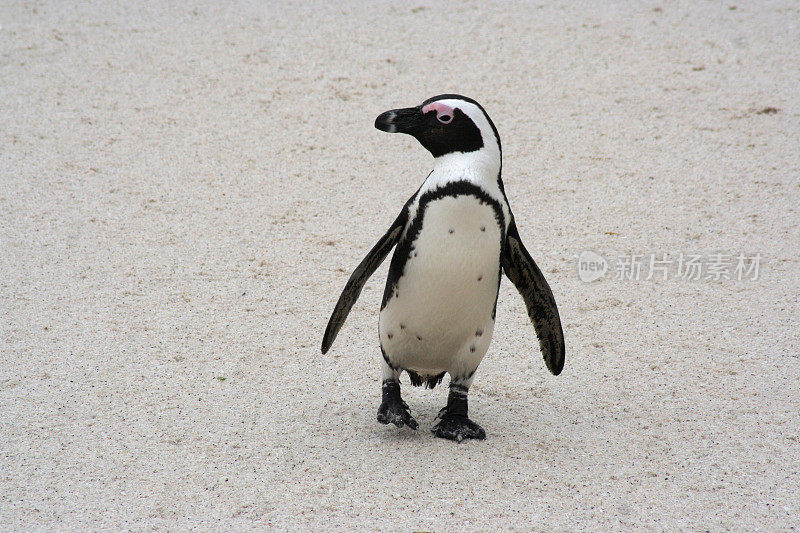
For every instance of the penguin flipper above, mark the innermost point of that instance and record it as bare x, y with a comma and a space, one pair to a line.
542, 310
359, 277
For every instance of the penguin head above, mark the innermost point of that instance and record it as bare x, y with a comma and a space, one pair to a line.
445, 124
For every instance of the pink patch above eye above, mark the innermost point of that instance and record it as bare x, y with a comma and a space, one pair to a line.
443, 112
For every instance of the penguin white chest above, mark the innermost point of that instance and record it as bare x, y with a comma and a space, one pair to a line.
439, 317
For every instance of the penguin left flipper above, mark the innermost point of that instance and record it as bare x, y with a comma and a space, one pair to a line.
529, 281
359, 277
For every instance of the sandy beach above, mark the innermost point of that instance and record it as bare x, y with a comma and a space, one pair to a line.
185, 189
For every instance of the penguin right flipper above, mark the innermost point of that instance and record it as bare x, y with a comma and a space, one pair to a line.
360, 276
542, 310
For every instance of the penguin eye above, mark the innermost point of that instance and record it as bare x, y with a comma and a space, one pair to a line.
445, 119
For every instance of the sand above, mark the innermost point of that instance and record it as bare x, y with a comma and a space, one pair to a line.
184, 190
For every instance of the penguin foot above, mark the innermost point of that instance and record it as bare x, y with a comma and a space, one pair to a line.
397, 413
457, 428
454, 424
393, 409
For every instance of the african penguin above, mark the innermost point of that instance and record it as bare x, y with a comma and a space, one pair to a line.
453, 239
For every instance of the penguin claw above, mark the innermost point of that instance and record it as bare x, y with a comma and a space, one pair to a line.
457, 428
397, 413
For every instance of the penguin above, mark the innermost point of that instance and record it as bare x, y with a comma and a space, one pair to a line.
453, 239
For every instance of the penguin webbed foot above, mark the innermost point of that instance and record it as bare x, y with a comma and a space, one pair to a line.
396, 413
457, 427
454, 424
393, 409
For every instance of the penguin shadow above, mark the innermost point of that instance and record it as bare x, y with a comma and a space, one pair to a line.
508, 427
392, 435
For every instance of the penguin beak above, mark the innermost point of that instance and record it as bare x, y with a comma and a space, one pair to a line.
408, 120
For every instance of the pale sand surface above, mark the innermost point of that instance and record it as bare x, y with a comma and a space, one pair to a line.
184, 190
